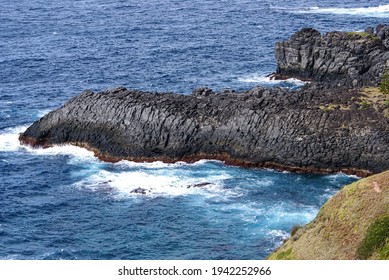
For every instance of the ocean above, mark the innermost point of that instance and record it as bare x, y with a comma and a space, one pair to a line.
63, 203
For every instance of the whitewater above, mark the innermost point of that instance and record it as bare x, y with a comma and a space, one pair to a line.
64, 203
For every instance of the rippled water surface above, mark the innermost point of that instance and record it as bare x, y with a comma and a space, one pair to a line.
62, 203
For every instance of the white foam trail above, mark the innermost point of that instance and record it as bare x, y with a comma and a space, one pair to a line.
381, 11
265, 80
125, 184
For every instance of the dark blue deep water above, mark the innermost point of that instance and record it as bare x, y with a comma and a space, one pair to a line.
62, 203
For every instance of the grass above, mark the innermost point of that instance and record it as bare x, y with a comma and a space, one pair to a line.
383, 253
362, 35
376, 238
384, 84
285, 255
374, 97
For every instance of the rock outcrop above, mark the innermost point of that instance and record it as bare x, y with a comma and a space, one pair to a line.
353, 224
312, 129
339, 58
320, 128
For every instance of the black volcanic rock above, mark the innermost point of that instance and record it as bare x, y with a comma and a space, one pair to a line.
260, 127
340, 58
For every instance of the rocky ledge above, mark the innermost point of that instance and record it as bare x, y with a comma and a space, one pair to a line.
309, 130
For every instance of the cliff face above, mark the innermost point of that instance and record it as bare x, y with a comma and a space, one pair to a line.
344, 58
353, 224
262, 127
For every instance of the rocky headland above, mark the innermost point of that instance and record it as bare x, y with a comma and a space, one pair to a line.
322, 127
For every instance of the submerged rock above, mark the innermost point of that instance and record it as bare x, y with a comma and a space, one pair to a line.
139, 191
199, 185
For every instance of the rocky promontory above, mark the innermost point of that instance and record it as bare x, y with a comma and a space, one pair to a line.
337, 58
318, 128
307, 130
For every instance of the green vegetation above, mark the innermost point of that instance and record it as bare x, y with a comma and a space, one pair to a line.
376, 238
285, 255
383, 254
384, 84
362, 35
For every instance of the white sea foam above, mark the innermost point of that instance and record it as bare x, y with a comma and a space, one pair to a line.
336, 176
9, 142
9, 138
160, 164
152, 183
265, 80
381, 11
278, 234
150, 165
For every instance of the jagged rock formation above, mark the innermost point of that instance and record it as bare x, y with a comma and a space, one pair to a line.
353, 224
308, 130
339, 58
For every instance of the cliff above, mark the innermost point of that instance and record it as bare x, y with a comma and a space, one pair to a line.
338, 58
311, 130
353, 224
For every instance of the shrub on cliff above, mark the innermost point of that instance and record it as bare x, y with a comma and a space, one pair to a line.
384, 84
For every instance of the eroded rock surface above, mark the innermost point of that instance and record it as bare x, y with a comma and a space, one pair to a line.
339, 58
260, 127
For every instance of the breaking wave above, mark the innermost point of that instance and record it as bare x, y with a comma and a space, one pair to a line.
381, 11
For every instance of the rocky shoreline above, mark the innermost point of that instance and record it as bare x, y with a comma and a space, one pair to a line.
322, 127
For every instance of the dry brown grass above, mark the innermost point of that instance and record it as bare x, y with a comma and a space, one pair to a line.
374, 97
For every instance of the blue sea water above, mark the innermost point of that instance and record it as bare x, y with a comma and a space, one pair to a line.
62, 203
